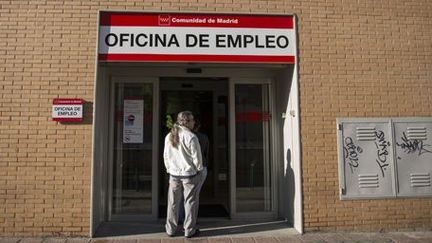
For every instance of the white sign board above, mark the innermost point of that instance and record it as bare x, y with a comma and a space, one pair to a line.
67, 110
133, 117
159, 37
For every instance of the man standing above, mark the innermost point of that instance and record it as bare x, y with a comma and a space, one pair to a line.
183, 162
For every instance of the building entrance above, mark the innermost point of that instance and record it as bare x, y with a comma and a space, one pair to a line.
246, 98
235, 114
207, 98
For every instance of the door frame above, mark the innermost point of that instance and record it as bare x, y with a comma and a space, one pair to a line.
272, 214
133, 71
155, 138
155, 81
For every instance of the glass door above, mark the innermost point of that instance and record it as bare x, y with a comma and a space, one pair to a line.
132, 151
251, 158
207, 98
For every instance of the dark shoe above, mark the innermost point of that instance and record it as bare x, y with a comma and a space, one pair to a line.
197, 232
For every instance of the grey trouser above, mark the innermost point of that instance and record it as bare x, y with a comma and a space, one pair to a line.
190, 188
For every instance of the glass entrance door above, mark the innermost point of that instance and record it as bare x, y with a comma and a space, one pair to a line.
207, 98
235, 115
132, 151
251, 156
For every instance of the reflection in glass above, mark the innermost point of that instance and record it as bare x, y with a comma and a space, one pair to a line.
132, 169
252, 148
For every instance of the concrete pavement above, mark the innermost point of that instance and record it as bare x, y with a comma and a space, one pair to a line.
229, 231
397, 237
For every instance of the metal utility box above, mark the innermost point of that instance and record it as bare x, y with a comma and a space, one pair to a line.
384, 157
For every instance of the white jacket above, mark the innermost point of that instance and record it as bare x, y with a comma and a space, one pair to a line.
186, 159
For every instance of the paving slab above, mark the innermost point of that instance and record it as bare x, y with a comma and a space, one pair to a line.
78, 240
244, 237
419, 235
220, 240
9, 240
125, 241
291, 239
31, 240
196, 240
356, 237
312, 237
102, 240
401, 238
332, 237
264, 239
180, 240
54, 240
149, 241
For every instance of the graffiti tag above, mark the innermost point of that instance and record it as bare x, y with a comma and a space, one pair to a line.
382, 152
351, 153
414, 145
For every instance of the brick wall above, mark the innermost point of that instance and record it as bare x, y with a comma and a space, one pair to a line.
47, 50
358, 58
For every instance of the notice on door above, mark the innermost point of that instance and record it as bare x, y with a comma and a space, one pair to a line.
133, 120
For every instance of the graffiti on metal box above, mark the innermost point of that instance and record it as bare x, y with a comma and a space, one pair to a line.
382, 151
413, 145
351, 153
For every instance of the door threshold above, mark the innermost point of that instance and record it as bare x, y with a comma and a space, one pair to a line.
209, 227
